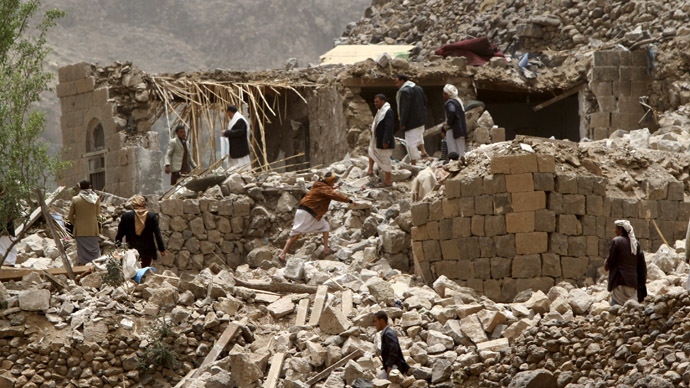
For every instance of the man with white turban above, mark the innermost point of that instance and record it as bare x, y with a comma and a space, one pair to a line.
382, 141
456, 126
626, 265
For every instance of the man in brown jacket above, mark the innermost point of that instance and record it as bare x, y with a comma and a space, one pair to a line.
310, 212
83, 214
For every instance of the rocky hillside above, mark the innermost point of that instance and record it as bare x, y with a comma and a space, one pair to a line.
175, 35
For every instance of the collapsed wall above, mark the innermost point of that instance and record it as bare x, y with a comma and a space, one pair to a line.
524, 222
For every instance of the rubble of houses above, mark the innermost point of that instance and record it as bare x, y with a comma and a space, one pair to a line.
493, 280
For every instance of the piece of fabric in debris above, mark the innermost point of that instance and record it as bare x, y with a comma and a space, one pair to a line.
478, 51
625, 224
306, 223
141, 272
139, 207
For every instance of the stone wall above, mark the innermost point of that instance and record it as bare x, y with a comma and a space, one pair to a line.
618, 79
523, 226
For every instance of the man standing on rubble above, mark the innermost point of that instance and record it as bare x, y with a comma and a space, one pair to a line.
391, 354
178, 160
139, 227
626, 266
382, 140
238, 137
412, 114
310, 212
455, 124
83, 214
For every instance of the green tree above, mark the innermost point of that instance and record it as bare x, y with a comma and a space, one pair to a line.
25, 164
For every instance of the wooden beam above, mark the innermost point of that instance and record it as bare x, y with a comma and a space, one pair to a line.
50, 222
331, 368
277, 286
7, 274
274, 372
347, 303
319, 302
219, 346
185, 379
302, 309
37, 212
560, 97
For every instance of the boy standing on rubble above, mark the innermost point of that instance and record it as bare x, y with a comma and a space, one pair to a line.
391, 354
412, 114
310, 212
83, 214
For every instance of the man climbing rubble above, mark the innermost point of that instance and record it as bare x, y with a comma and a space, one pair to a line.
412, 114
83, 214
626, 266
382, 140
178, 160
310, 212
238, 137
391, 354
139, 227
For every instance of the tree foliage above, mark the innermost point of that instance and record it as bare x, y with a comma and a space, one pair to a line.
25, 164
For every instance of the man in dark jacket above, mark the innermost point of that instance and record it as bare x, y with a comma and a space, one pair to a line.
412, 114
455, 124
382, 140
140, 227
238, 137
391, 354
625, 264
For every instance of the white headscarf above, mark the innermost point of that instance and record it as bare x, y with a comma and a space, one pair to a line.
380, 115
452, 92
625, 224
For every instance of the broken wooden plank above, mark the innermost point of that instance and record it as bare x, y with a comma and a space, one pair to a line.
7, 274
56, 282
319, 302
185, 380
37, 212
347, 303
274, 372
560, 97
220, 345
51, 227
331, 368
302, 309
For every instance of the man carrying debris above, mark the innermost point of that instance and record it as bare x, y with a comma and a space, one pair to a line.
83, 214
412, 114
455, 124
139, 227
391, 354
238, 137
310, 212
626, 265
178, 160
382, 140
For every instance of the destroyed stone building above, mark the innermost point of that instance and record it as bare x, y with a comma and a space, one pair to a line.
494, 278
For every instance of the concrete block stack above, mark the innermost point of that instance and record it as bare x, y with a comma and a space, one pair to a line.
619, 79
527, 227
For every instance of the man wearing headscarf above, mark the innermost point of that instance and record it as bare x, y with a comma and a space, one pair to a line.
412, 115
139, 227
83, 214
238, 138
382, 140
626, 265
455, 124
310, 212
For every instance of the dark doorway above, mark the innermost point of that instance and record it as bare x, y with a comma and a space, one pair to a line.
513, 111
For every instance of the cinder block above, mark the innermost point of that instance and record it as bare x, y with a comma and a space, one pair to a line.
432, 229
469, 248
432, 250
502, 203
544, 221
600, 120
498, 134
640, 88
546, 163
484, 204
450, 250
606, 58
600, 133
462, 227
467, 206
80, 70
566, 184
495, 225
589, 225
66, 89
451, 208
420, 213
528, 266
595, 205
607, 103
656, 189
626, 74
527, 202
85, 85
453, 187
520, 222
500, 165
603, 88
630, 208
492, 290
585, 184
605, 73
577, 246
482, 268
675, 191
600, 185
523, 163
569, 225
518, 183
462, 270
478, 226
558, 244
419, 233
574, 204
445, 229
555, 202
530, 243
544, 181
550, 265
501, 267
471, 186
435, 210
639, 58
649, 209
65, 74
574, 267
494, 184
625, 58
592, 246
418, 251
505, 245
487, 248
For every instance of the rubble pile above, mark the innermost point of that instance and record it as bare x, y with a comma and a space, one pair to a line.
530, 26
